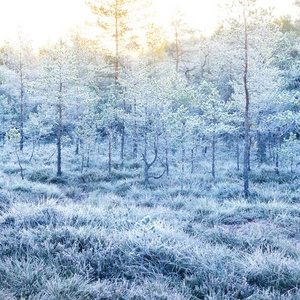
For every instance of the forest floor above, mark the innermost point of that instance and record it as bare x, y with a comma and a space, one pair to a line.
93, 236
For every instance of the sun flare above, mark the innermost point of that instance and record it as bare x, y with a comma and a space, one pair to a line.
41, 20
47, 20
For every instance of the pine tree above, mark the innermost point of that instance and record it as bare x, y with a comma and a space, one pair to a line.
58, 77
18, 57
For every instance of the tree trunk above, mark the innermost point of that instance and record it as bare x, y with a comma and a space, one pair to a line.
277, 155
88, 156
117, 37
148, 165
123, 136
177, 50
276, 163
135, 131
182, 157
109, 149
122, 145
33, 148
192, 160
249, 155
77, 147
116, 43
213, 171
247, 100
262, 148
237, 155
82, 162
21, 109
167, 155
59, 131
146, 174
20, 165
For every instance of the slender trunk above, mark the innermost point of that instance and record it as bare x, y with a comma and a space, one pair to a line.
249, 155
262, 146
20, 165
109, 149
146, 166
277, 155
21, 78
122, 145
88, 155
117, 36
116, 42
59, 131
192, 160
213, 171
270, 146
21, 109
177, 50
135, 131
276, 163
167, 155
33, 148
77, 147
82, 162
182, 149
246, 157
82, 157
123, 136
237, 155
246, 118
88, 160
182, 157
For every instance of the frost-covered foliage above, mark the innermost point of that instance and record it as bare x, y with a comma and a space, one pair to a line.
93, 237
121, 167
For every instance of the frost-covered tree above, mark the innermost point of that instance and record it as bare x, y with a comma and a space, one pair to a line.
252, 34
18, 58
216, 117
57, 81
115, 18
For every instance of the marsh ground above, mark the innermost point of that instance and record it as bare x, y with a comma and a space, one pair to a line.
93, 236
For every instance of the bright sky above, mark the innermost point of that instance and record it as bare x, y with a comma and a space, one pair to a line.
47, 20
205, 14
41, 20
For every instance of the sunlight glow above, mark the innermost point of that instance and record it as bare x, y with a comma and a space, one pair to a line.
205, 15
41, 20
47, 20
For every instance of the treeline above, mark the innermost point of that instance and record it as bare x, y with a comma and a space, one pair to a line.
160, 97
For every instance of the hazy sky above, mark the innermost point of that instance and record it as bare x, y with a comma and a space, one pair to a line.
44, 20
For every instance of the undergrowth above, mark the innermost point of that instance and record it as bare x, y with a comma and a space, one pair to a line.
91, 235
